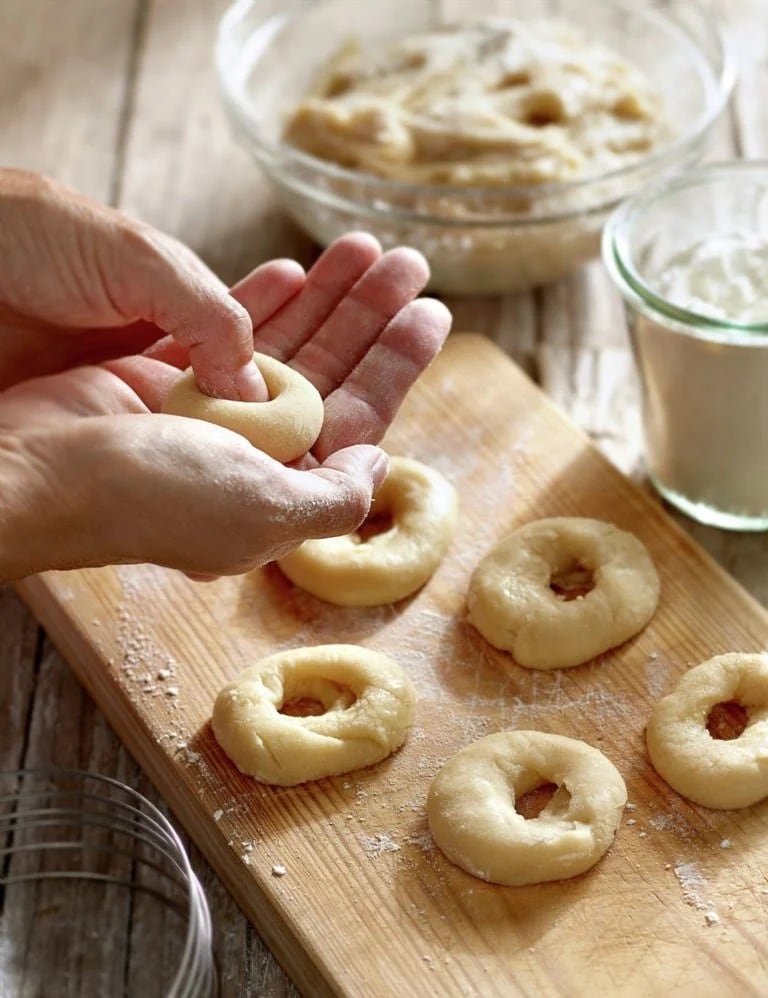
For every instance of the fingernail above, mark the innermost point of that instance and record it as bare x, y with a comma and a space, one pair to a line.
250, 384
379, 469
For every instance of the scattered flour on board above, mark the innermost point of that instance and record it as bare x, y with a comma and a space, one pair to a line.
143, 663
671, 823
248, 845
658, 676
378, 843
693, 886
422, 840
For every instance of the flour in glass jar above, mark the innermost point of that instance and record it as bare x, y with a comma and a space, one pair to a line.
706, 391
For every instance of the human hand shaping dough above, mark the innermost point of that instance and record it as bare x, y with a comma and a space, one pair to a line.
91, 473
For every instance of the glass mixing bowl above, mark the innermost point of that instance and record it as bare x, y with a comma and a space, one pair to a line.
483, 239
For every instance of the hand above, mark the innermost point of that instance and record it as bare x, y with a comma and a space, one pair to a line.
86, 482
129, 488
354, 328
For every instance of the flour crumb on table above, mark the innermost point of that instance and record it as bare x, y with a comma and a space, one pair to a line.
278, 870
422, 840
711, 918
378, 843
692, 883
218, 814
725, 844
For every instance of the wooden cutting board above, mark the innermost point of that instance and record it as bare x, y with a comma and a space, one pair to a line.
367, 906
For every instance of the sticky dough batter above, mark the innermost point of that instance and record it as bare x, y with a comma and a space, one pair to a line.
501, 102
717, 773
513, 602
285, 427
364, 703
472, 816
391, 565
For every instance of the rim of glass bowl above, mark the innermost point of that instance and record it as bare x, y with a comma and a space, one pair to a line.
719, 87
618, 257
130, 814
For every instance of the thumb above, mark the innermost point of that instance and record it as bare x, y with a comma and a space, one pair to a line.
327, 501
362, 463
335, 498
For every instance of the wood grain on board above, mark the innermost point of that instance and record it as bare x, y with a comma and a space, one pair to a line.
367, 905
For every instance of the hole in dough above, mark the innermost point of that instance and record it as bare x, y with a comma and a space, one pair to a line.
727, 720
303, 707
376, 523
572, 581
531, 804
314, 696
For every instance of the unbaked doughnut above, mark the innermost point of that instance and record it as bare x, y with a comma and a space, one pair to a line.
367, 704
285, 427
513, 604
391, 565
472, 817
717, 773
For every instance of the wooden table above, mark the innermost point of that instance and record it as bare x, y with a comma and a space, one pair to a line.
117, 98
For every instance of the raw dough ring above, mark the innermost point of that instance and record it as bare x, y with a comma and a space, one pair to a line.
389, 566
369, 706
285, 427
512, 604
472, 816
714, 772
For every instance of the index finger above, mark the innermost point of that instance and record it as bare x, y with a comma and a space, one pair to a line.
173, 288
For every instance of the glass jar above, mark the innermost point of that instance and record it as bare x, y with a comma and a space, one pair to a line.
690, 258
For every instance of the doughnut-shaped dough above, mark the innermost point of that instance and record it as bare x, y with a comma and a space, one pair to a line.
718, 773
368, 703
389, 566
472, 817
512, 604
285, 427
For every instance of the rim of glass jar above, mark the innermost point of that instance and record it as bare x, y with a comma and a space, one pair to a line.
195, 975
617, 255
719, 89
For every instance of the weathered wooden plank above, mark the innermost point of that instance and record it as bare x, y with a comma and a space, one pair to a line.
183, 170
63, 74
19, 641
